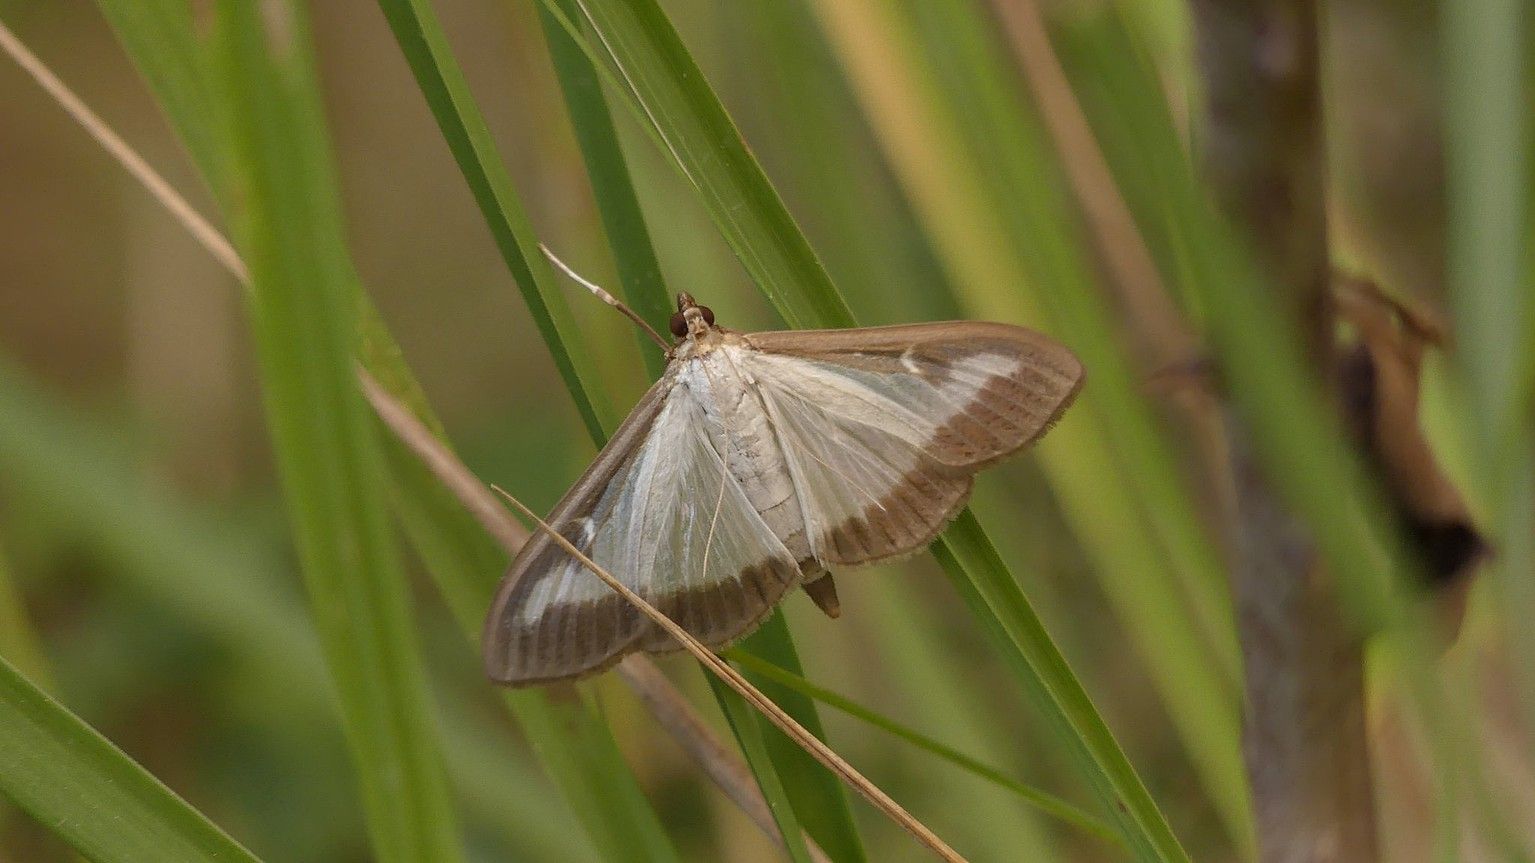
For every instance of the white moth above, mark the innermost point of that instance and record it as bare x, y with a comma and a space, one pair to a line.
757, 463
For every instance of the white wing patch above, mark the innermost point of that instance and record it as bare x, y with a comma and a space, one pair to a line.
910, 406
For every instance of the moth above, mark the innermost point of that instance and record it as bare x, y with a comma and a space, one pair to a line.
759, 462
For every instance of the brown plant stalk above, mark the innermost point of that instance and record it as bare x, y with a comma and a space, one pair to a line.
1305, 739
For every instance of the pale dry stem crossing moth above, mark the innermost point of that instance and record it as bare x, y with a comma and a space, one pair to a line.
761, 461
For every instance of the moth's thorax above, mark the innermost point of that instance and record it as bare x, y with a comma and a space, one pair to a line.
704, 342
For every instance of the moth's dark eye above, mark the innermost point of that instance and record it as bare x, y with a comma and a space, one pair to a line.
679, 325
708, 315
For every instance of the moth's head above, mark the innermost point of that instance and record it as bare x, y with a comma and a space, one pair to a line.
691, 319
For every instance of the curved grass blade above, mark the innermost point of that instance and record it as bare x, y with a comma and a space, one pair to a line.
1020, 637
19, 644
648, 62
1045, 802
966, 709
303, 311
818, 798
165, 550
1489, 136
641, 55
157, 36
77, 784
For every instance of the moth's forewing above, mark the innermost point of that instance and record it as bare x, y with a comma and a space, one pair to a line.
501, 637
636, 512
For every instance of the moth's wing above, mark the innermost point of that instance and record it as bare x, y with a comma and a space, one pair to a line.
646, 512
884, 427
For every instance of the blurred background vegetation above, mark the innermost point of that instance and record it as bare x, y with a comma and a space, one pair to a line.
148, 572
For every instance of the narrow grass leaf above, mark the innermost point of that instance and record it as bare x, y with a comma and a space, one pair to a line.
1045, 802
639, 273
77, 784
994, 598
158, 37
646, 61
1488, 60
303, 313
19, 644
442, 83
744, 722
819, 801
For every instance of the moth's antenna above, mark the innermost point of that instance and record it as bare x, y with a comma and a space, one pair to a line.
606, 297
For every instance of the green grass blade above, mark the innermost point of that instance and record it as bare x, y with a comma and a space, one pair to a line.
819, 799
303, 312
158, 37
805, 129
746, 723
1487, 140
649, 64
1045, 802
463, 126
994, 598
1489, 80
639, 272
19, 644
77, 784
953, 690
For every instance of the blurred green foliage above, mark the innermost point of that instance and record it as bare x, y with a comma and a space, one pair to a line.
149, 571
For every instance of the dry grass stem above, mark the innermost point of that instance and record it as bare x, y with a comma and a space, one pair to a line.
117, 148
1305, 739
712, 754
443, 464
1124, 252
722, 669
